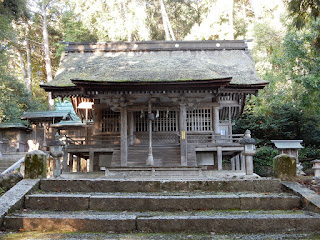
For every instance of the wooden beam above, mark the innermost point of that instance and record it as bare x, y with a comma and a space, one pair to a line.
124, 137
91, 160
183, 135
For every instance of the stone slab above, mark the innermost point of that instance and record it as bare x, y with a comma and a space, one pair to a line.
14, 198
195, 222
269, 202
58, 202
63, 185
229, 224
72, 222
164, 203
310, 200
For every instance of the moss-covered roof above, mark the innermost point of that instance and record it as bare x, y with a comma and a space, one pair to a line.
68, 124
5, 125
157, 65
46, 115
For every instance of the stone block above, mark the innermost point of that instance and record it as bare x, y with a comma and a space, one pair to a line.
14, 198
35, 165
269, 202
70, 224
285, 167
57, 202
64, 185
164, 203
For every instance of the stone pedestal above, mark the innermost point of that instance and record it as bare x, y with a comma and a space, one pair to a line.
284, 167
249, 165
35, 164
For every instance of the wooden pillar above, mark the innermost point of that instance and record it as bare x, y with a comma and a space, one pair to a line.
91, 159
233, 166
19, 140
150, 160
216, 121
131, 127
219, 156
78, 164
243, 162
70, 162
183, 135
65, 161
124, 137
237, 162
44, 143
97, 119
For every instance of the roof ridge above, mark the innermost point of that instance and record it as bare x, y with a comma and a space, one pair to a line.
157, 46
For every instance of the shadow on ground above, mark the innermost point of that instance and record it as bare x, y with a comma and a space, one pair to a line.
143, 236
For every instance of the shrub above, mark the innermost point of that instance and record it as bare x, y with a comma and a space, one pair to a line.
263, 161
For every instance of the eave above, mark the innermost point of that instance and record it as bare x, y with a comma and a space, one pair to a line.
151, 85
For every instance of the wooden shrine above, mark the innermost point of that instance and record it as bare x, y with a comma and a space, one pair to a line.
157, 103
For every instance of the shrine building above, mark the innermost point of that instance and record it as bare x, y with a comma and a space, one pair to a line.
158, 103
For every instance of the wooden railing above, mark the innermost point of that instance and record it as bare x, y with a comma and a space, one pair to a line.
213, 138
92, 140
157, 138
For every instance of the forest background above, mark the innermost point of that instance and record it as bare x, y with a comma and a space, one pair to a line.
285, 47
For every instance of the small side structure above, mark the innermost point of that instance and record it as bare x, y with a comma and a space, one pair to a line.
14, 137
42, 122
159, 104
291, 148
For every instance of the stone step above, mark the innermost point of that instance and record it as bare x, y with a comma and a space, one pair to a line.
8, 159
160, 201
195, 222
14, 156
104, 185
7, 164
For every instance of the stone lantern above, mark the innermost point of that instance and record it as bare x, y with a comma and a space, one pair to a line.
249, 151
316, 167
56, 151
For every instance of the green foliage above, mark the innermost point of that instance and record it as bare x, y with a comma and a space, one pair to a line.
306, 155
14, 99
73, 30
303, 11
289, 107
311, 152
280, 121
13, 9
2, 191
263, 160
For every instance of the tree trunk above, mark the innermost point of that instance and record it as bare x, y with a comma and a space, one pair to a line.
231, 20
23, 68
29, 66
46, 49
165, 24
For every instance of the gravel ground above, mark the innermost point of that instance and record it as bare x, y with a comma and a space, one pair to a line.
144, 236
312, 183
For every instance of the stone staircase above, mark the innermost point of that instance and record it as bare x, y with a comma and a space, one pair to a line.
165, 156
7, 159
224, 206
